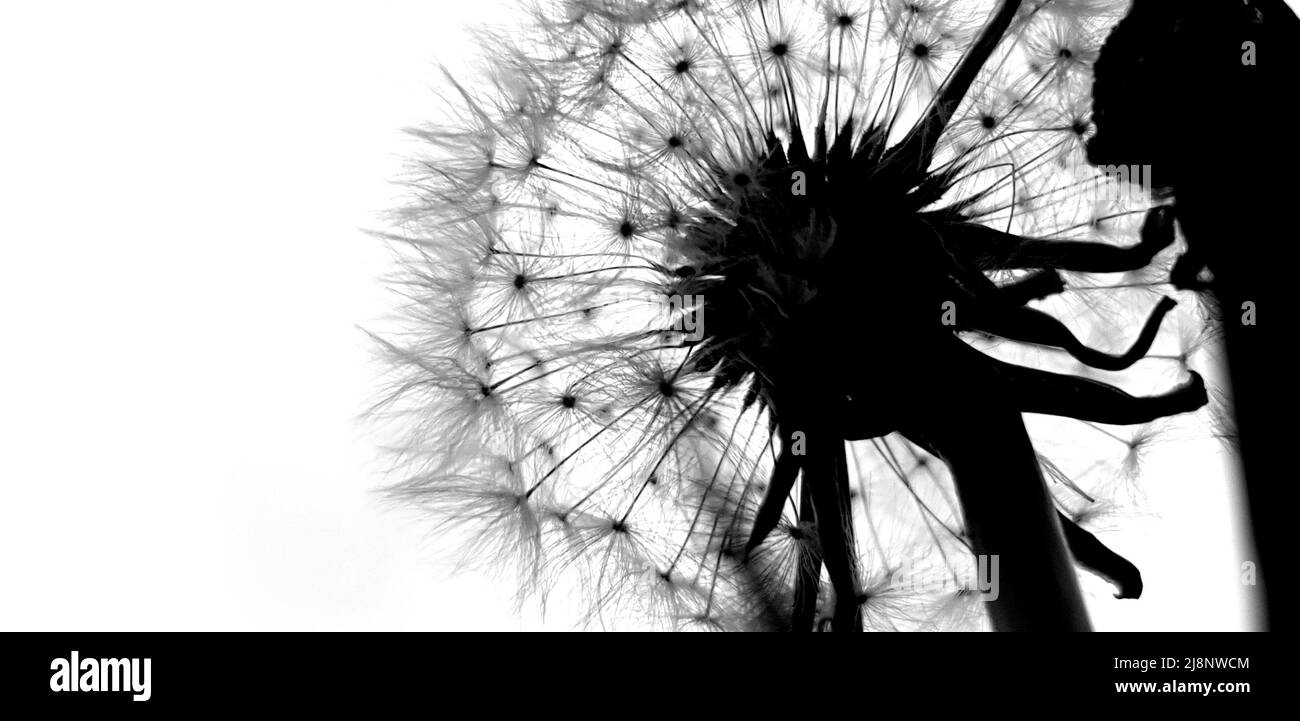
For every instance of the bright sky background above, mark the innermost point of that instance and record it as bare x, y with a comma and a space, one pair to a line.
182, 188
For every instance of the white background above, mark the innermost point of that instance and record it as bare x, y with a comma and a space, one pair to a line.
182, 192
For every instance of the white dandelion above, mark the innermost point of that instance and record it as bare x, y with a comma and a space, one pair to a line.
722, 313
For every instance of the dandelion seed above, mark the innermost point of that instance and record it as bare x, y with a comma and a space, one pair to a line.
825, 426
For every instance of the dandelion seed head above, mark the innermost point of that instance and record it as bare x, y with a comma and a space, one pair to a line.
765, 169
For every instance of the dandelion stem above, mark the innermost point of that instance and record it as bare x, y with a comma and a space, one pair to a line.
1007, 509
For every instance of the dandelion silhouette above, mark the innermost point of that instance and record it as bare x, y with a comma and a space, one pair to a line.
712, 302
